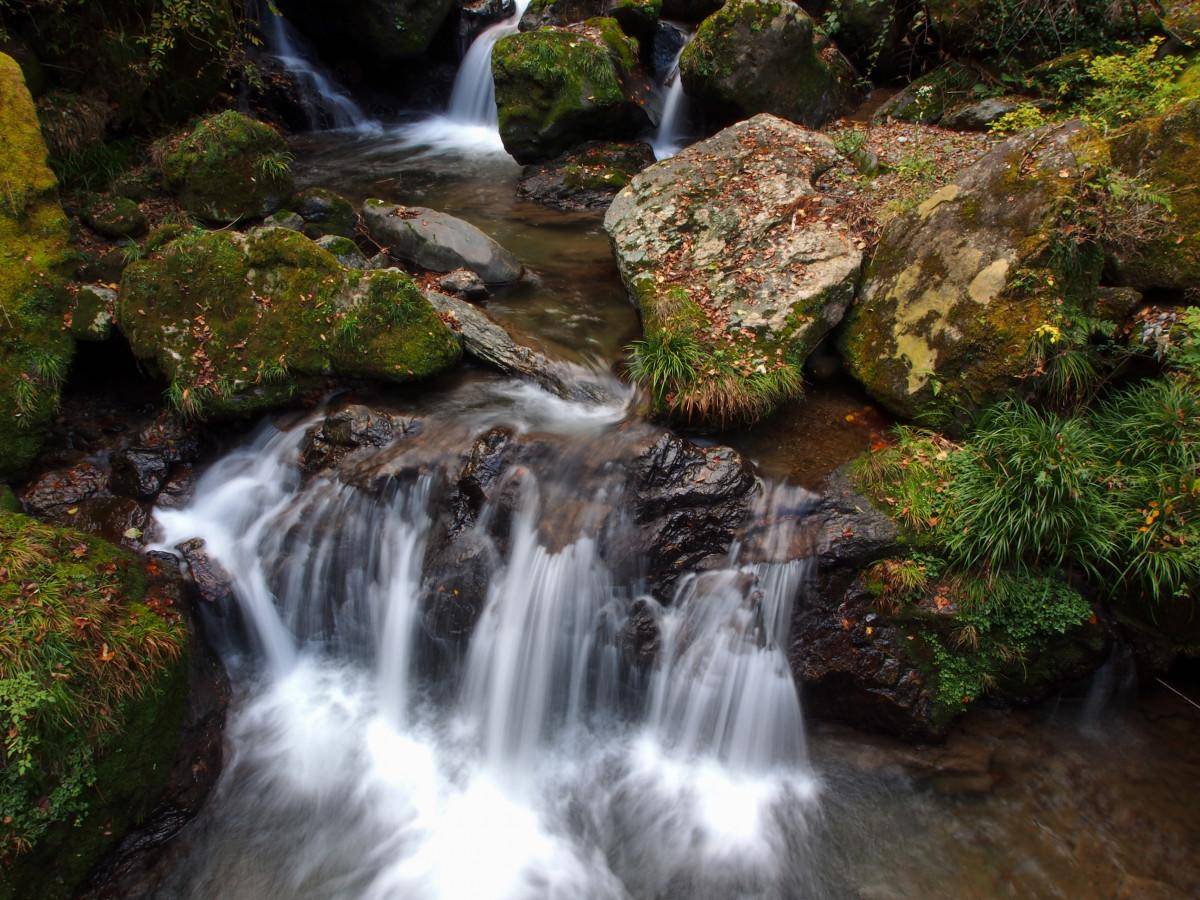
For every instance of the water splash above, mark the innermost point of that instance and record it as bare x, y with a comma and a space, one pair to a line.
354, 774
471, 124
327, 104
669, 137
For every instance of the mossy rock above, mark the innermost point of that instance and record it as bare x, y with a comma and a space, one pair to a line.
72, 122
956, 288
637, 17
35, 350
927, 99
1181, 18
112, 216
325, 212
229, 168
554, 13
240, 323
559, 87
587, 177
1164, 153
93, 707
92, 311
755, 56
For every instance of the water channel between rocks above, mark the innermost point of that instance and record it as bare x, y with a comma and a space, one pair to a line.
534, 760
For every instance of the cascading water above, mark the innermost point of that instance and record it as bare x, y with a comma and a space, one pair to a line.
327, 104
471, 124
541, 760
668, 138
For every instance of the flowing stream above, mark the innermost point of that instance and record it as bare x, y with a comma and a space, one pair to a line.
669, 136
471, 123
328, 105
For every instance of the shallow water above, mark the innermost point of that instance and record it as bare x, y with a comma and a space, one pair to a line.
351, 774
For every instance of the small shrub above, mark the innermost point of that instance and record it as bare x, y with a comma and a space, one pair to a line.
1130, 85
1028, 490
1025, 117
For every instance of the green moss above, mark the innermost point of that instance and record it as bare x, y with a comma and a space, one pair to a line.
35, 350
92, 691
637, 17
229, 167
754, 56
556, 87
240, 323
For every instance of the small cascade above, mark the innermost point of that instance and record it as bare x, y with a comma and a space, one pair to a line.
471, 124
668, 138
552, 751
328, 105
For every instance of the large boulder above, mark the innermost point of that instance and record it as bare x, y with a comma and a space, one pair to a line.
35, 350
378, 34
238, 323
438, 242
929, 98
229, 168
956, 288
736, 269
543, 13
756, 56
1163, 152
95, 683
558, 87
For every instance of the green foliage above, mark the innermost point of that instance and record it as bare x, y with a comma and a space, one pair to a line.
1028, 489
1184, 353
849, 141
1025, 117
1069, 364
78, 645
1152, 455
1129, 85
664, 363
908, 477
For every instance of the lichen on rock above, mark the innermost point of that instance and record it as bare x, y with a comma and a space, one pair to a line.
956, 288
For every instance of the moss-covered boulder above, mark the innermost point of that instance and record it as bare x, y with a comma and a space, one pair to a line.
957, 288
559, 87
736, 269
1181, 18
553, 13
325, 212
112, 216
376, 34
1163, 152
240, 323
35, 350
93, 683
757, 56
229, 168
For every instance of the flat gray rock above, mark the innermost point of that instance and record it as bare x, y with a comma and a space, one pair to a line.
438, 242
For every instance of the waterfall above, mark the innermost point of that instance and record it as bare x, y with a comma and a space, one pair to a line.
471, 123
359, 770
327, 104
668, 138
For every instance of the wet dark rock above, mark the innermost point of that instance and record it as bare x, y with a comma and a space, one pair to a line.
689, 502
343, 432
464, 283
669, 39
119, 520
208, 577
459, 573
642, 637
55, 493
475, 16
177, 491
138, 473
980, 115
490, 456
854, 667
562, 12
588, 177
345, 251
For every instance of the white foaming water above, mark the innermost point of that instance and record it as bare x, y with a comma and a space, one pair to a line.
471, 124
540, 770
328, 104
668, 138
